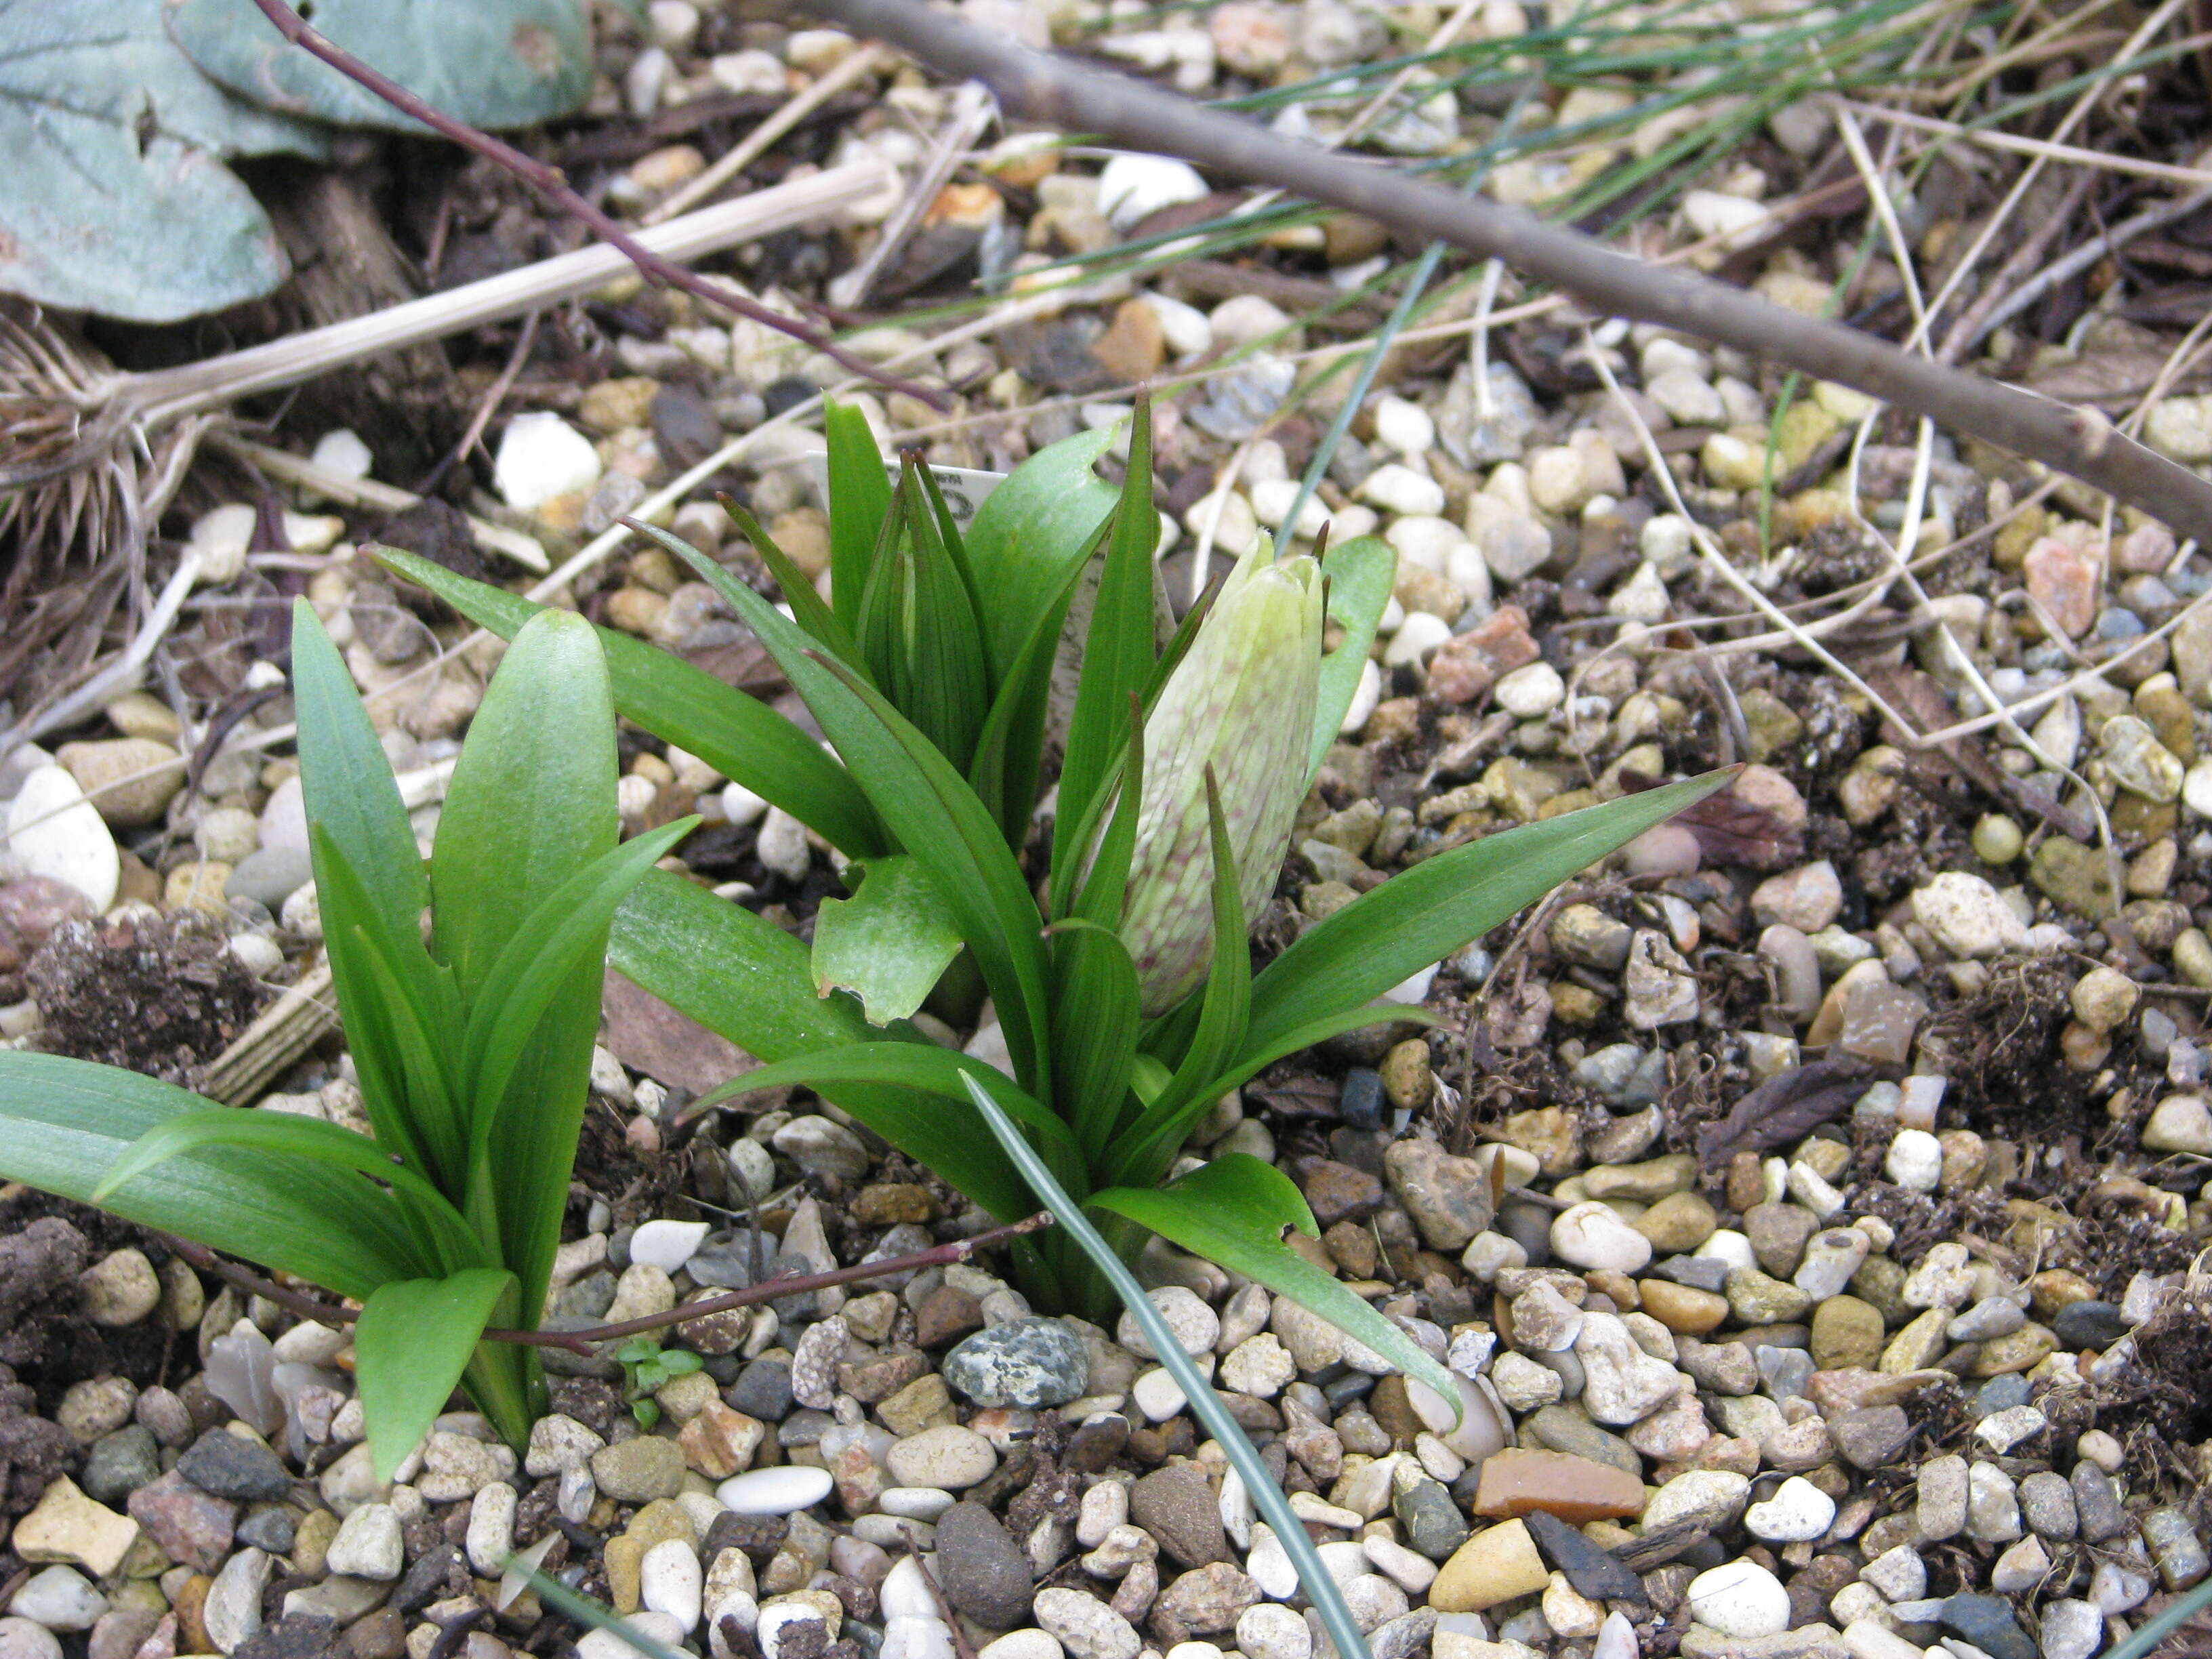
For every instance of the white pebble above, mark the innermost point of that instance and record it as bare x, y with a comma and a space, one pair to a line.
1404, 427
542, 456
342, 452
779, 1490
1592, 1235
667, 1245
1133, 187
1531, 690
1915, 1160
1797, 1511
1740, 1599
1397, 488
669, 1581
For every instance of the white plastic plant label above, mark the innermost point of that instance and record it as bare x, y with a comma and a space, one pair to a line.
963, 488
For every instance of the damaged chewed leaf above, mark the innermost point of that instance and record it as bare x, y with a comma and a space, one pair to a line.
117, 201
490, 62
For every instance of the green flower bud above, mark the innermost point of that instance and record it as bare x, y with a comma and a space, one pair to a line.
1242, 701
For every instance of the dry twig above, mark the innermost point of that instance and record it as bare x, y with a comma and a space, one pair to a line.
579, 1342
1082, 97
549, 182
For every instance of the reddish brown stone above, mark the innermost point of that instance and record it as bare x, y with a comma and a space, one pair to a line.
1575, 1489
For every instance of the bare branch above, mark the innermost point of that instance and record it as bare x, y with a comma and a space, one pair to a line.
1084, 97
548, 182
580, 1342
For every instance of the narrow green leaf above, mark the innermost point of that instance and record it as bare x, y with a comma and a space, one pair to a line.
568, 927
807, 608
1361, 573
762, 997
946, 1142
1226, 1002
1179, 643
411, 1343
937, 817
1009, 749
1094, 1030
1234, 1210
532, 797
1032, 534
859, 496
740, 737
1118, 654
1266, 1492
345, 778
889, 943
918, 629
63, 1123
761, 994
1106, 884
292, 1138
1421, 915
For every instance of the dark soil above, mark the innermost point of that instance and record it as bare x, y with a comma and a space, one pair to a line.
163, 997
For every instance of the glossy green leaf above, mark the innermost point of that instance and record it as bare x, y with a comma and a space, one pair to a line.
859, 496
1225, 1003
889, 943
1106, 882
1094, 1029
402, 1019
345, 779
918, 630
414, 1339
1266, 1493
808, 609
570, 927
760, 993
936, 816
1421, 915
532, 797
923, 1078
63, 1123
1361, 573
1234, 1212
530, 810
1032, 534
739, 735
1009, 749
292, 1137
1120, 651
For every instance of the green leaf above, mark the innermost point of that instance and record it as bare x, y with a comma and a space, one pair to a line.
413, 1341
532, 797
116, 200
1361, 573
918, 630
346, 783
1233, 1211
807, 609
926, 1076
1094, 1031
1421, 915
402, 1016
488, 63
1266, 1492
530, 809
740, 737
1032, 534
1009, 749
859, 497
762, 997
761, 994
570, 927
1106, 884
63, 1123
889, 943
937, 817
1226, 1005
305, 1139
1118, 654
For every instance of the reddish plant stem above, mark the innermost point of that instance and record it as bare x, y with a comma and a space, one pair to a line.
580, 1342
549, 183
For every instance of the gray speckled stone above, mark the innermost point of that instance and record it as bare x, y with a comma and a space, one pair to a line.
1024, 1362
